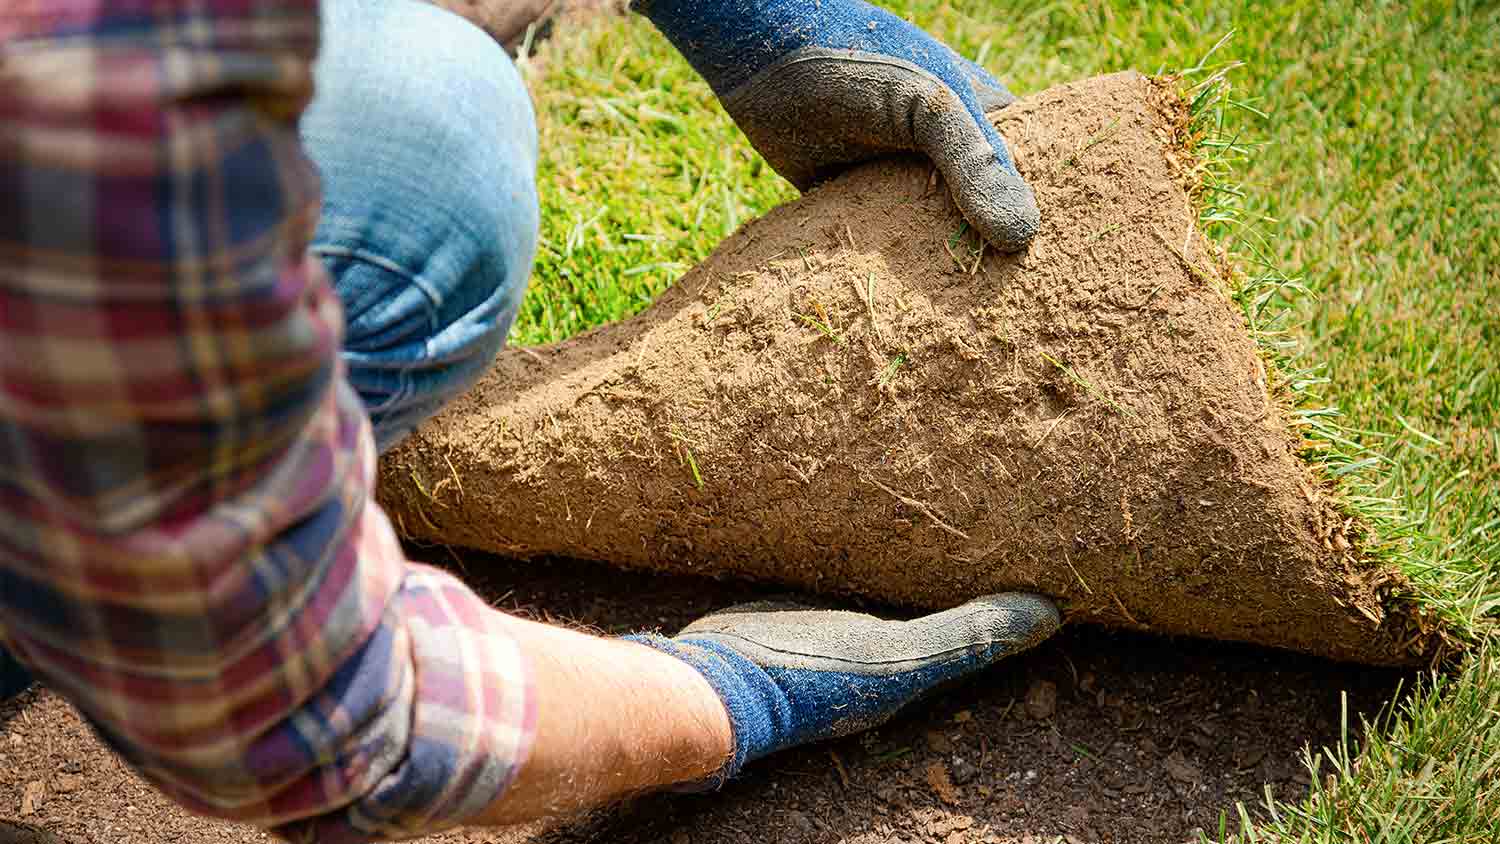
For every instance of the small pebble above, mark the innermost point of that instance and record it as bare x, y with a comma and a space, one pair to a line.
963, 772
1041, 700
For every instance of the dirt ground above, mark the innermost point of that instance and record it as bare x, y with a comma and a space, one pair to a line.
1092, 737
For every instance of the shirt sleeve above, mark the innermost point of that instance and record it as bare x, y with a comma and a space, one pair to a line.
189, 549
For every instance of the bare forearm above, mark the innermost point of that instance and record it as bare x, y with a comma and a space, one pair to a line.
614, 719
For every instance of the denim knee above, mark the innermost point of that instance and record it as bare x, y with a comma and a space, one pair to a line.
426, 141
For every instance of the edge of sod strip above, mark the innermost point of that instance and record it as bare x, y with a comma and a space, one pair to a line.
1386, 533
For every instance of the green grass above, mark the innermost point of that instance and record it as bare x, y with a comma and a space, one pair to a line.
1427, 773
642, 175
1365, 137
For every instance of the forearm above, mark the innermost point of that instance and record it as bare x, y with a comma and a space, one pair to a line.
614, 719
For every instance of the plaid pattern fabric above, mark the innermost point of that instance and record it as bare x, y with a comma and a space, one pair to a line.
189, 550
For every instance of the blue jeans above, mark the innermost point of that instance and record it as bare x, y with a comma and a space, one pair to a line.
426, 141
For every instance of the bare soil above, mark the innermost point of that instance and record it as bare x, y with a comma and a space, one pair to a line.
852, 395
1095, 736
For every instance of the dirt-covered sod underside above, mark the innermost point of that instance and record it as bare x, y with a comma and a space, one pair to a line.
852, 395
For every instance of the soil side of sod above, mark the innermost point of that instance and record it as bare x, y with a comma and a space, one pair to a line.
1095, 736
853, 395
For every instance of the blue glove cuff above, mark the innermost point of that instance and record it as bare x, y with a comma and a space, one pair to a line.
729, 41
754, 702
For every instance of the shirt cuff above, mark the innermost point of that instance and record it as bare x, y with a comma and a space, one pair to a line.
460, 730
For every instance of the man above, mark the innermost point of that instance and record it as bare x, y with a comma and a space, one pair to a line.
200, 362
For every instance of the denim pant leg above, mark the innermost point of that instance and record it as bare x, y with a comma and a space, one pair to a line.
425, 138
426, 142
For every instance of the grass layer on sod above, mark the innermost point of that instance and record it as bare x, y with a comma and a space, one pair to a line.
1369, 238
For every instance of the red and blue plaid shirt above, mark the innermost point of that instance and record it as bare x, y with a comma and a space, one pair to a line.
189, 551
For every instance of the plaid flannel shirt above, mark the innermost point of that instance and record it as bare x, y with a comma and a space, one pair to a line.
189, 550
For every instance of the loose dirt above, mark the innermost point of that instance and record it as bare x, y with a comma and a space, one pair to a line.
1144, 739
853, 395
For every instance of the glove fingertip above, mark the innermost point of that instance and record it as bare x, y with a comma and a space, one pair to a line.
1025, 618
1008, 217
1039, 616
986, 185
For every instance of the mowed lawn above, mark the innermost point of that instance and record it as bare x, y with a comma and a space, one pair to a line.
1370, 172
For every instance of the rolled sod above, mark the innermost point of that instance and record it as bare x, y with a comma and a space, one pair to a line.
853, 395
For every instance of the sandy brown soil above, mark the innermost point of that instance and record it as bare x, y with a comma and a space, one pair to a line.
852, 396
1094, 737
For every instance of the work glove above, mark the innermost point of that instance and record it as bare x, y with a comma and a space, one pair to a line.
817, 85
792, 675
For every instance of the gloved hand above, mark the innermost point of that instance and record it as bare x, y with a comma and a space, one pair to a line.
790, 676
817, 85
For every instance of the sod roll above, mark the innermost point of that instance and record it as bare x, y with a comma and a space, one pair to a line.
853, 395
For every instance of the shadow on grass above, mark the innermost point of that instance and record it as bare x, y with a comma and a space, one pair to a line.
1094, 736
